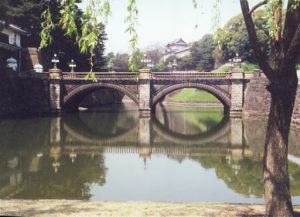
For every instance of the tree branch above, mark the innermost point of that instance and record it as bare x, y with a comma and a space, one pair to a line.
292, 22
261, 58
294, 46
257, 6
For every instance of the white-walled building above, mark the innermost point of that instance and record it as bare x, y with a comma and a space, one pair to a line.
178, 48
10, 44
11, 35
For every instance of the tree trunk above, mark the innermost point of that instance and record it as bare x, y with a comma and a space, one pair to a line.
276, 175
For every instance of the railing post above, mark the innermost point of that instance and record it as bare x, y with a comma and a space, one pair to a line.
237, 93
144, 92
55, 93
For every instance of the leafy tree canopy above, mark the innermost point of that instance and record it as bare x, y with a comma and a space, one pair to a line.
27, 15
233, 38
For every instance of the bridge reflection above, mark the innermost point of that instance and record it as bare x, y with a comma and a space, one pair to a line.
128, 130
53, 155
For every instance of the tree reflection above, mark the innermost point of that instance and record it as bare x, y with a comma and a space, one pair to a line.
72, 181
244, 176
39, 180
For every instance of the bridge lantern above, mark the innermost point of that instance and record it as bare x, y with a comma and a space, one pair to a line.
72, 65
237, 60
147, 62
55, 60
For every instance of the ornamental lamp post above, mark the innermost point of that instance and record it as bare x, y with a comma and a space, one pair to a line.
237, 60
147, 62
55, 60
55, 73
72, 65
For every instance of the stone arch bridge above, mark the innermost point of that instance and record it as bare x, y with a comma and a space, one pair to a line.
67, 90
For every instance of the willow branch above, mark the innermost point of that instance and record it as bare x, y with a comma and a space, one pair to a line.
260, 56
257, 6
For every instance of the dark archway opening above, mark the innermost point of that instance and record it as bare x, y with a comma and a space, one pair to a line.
93, 96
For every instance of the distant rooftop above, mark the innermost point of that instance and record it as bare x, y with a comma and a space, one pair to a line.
178, 41
15, 28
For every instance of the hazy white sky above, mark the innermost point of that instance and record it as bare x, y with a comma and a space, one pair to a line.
162, 21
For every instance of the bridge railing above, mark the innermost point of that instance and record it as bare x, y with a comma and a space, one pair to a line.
133, 76
99, 76
189, 74
155, 75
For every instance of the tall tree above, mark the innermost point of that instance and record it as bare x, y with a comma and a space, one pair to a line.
17, 11
280, 69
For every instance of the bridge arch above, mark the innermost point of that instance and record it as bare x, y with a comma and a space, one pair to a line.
218, 92
76, 95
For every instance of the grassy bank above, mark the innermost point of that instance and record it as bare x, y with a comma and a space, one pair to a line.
194, 95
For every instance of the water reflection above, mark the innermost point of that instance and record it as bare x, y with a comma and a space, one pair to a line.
175, 156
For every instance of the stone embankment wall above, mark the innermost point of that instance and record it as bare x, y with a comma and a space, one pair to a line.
257, 100
23, 96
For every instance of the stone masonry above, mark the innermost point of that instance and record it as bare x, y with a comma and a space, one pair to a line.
149, 89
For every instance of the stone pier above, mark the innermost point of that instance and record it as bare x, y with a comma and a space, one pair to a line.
237, 94
55, 91
144, 93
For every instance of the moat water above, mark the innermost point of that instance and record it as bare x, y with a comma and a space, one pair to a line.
180, 154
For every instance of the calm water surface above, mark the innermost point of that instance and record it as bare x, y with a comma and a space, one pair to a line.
179, 155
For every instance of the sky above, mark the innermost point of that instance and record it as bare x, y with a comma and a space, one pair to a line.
162, 21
